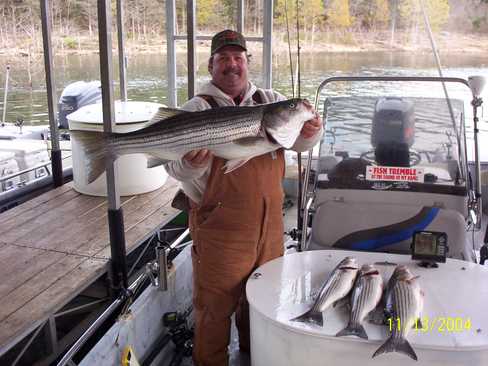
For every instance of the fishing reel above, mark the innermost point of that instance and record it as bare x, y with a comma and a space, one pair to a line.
181, 335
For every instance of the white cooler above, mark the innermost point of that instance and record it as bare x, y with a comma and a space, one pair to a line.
8, 166
133, 176
28, 154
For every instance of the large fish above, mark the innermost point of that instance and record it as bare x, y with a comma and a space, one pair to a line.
233, 133
337, 286
365, 296
404, 302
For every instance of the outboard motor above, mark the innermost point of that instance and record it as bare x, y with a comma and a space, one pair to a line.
393, 131
75, 96
393, 122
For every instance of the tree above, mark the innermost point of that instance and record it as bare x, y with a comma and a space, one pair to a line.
371, 14
437, 11
338, 13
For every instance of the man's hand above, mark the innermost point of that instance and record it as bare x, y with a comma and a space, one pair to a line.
311, 127
198, 158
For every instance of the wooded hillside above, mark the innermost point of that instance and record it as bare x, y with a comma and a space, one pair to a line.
75, 21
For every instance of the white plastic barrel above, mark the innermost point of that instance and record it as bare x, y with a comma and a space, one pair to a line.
133, 176
284, 288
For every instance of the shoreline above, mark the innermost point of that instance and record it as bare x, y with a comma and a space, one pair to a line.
447, 43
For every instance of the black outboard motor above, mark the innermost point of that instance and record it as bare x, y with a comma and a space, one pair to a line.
75, 96
393, 122
393, 131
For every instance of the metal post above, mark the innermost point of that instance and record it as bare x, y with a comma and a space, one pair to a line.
240, 16
5, 93
115, 216
162, 253
171, 53
57, 165
267, 49
191, 41
122, 56
476, 103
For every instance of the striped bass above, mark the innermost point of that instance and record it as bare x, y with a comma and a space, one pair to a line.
337, 286
365, 296
404, 302
233, 133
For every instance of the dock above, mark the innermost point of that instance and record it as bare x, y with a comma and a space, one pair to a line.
56, 245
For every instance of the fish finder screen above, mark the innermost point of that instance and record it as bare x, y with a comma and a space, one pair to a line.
425, 244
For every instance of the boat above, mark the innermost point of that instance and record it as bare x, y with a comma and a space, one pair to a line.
354, 207
25, 163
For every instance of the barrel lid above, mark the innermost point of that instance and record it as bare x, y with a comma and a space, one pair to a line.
125, 113
286, 287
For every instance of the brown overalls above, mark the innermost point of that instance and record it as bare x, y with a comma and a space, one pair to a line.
237, 227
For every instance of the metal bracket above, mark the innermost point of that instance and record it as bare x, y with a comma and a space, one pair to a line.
157, 270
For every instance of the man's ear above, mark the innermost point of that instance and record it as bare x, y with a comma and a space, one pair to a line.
210, 65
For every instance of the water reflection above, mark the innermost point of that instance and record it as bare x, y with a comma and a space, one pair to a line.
147, 75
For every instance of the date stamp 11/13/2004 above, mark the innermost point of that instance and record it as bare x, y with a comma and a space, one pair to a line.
436, 324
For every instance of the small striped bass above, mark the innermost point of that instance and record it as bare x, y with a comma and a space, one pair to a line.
365, 296
404, 303
233, 133
337, 286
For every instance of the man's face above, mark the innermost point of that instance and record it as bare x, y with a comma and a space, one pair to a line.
228, 68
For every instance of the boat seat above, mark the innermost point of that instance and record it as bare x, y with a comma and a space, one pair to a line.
383, 227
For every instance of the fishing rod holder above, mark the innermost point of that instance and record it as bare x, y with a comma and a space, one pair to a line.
306, 214
157, 270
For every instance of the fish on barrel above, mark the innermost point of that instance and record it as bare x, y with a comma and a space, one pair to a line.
365, 296
337, 286
404, 303
233, 133
401, 301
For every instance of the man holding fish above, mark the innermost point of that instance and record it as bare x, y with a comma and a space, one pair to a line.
236, 216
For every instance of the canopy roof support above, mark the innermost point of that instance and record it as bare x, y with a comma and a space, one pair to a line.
191, 37
57, 165
115, 216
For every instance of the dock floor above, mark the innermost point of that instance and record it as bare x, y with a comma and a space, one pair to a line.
53, 246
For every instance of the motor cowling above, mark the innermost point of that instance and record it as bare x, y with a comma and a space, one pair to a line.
393, 122
75, 96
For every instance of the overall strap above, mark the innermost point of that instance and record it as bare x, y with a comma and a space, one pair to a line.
210, 100
256, 97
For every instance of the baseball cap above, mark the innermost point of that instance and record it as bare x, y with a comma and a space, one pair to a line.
227, 38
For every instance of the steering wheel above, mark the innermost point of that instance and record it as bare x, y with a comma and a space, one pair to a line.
369, 157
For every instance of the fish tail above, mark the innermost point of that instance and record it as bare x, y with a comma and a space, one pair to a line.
311, 316
353, 329
394, 344
93, 145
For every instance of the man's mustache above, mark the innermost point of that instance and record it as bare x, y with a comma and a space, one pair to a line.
233, 70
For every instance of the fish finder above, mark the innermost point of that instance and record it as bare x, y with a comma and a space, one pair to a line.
430, 247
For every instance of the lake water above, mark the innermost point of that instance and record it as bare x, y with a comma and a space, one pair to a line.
147, 76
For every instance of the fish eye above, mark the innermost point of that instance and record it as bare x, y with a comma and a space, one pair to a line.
292, 105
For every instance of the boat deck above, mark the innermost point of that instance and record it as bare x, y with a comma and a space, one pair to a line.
54, 246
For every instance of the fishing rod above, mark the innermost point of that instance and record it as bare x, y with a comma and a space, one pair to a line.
300, 227
439, 69
289, 49
475, 202
5, 93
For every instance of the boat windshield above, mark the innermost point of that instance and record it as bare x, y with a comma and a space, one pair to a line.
408, 143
